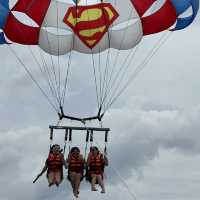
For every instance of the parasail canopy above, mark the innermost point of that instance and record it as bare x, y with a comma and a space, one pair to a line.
63, 27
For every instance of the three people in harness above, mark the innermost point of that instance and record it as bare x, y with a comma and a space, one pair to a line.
75, 164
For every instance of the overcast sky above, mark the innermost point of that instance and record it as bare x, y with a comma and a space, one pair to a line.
154, 143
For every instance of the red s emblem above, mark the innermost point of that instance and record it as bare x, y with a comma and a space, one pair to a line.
90, 23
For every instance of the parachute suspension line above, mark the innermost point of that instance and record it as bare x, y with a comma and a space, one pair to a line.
52, 66
107, 81
52, 63
116, 171
121, 43
67, 74
65, 140
68, 67
117, 55
117, 83
105, 138
48, 77
106, 142
43, 73
46, 74
117, 78
34, 57
91, 138
51, 134
140, 67
86, 144
99, 90
70, 139
33, 79
95, 80
58, 60
51, 138
100, 73
53, 70
99, 70
105, 74
93, 65
53, 95
121, 72
124, 183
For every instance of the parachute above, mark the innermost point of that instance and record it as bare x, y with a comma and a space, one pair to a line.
101, 30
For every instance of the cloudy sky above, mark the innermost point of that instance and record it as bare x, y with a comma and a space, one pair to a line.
154, 143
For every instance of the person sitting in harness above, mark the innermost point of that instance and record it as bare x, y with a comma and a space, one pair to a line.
54, 166
96, 162
75, 163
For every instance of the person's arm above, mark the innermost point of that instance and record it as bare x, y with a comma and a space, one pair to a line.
83, 161
68, 160
81, 157
42, 172
88, 159
44, 169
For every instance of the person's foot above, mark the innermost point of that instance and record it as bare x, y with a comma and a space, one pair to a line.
50, 184
75, 194
94, 189
103, 191
57, 184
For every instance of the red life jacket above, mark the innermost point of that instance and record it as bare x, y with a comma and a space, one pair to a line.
96, 165
55, 162
76, 164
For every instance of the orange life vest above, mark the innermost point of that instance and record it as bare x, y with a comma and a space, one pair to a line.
96, 165
55, 162
75, 164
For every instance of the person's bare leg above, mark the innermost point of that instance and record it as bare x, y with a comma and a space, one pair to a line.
73, 179
58, 178
93, 182
50, 178
101, 183
77, 184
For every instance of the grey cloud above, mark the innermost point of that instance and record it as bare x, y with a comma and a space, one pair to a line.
133, 145
140, 134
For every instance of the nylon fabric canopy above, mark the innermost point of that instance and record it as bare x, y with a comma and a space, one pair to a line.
108, 33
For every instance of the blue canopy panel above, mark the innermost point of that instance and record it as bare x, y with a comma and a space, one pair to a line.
2, 39
76, 1
4, 12
181, 7
5, 3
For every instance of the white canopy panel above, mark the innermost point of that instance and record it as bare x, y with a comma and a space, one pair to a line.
124, 33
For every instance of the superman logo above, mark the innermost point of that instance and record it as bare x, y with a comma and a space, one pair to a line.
90, 23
